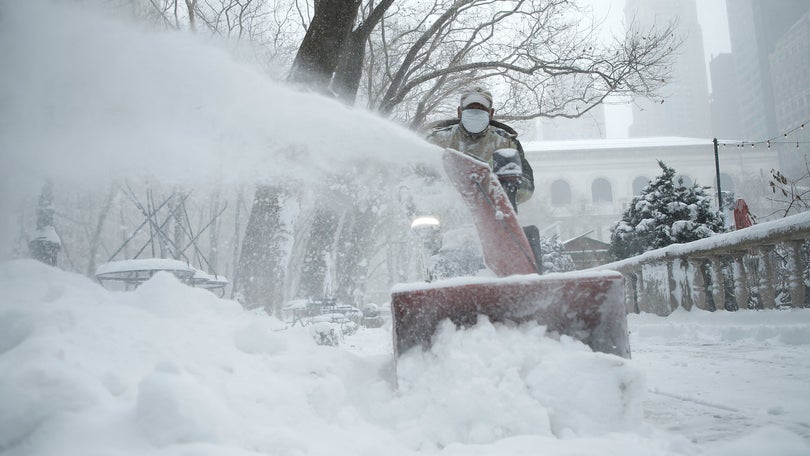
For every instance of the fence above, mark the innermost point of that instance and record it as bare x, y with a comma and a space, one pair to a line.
761, 267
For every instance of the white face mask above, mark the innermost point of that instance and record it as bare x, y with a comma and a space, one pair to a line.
474, 120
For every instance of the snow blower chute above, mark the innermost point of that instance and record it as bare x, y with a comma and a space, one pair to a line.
587, 306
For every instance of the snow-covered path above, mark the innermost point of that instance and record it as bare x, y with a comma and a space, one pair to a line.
716, 377
713, 378
709, 377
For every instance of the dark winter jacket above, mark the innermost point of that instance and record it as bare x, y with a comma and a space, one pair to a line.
496, 136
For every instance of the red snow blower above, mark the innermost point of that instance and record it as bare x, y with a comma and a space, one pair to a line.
587, 306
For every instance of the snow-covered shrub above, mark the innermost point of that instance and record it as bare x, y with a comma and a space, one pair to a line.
326, 333
664, 213
555, 258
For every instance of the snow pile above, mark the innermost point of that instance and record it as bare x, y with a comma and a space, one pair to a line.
175, 369
171, 369
531, 385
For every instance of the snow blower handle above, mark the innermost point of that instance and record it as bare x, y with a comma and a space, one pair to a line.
507, 166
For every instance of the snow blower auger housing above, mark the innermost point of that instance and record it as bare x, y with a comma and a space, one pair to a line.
588, 306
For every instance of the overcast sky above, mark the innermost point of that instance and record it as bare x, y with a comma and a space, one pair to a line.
713, 23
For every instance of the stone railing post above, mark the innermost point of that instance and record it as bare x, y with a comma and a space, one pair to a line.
641, 291
674, 301
630, 292
698, 283
796, 272
767, 294
740, 281
687, 300
718, 283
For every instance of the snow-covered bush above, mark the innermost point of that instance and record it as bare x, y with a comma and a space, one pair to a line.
326, 333
664, 213
555, 258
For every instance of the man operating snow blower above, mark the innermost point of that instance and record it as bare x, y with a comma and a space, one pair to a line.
485, 163
477, 134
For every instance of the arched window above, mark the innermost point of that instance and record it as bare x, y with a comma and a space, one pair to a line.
560, 193
601, 191
639, 183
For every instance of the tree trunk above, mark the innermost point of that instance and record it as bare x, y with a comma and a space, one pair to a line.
237, 243
261, 261
350, 68
319, 53
213, 234
314, 275
353, 256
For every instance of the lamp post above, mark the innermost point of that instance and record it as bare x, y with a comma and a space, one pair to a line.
717, 174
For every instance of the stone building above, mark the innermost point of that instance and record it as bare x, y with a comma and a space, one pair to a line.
584, 186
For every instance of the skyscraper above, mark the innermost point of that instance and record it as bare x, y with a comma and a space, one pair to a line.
685, 107
755, 28
723, 100
790, 75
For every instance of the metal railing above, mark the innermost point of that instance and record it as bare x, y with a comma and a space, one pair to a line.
761, 267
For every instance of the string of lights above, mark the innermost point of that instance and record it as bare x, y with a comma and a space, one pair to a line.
779, 139
768, 142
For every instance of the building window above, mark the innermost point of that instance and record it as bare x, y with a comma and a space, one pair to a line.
560, 193
639, 183
601, 191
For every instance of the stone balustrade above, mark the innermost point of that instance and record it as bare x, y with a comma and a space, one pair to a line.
760, 267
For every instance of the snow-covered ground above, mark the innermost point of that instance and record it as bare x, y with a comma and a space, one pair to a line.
172, 370
168, 369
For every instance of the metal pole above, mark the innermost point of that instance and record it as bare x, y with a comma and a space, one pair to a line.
717, 173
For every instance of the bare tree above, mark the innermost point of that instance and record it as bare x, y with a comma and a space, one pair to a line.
544, 58
793, 195
539, 56
272, 27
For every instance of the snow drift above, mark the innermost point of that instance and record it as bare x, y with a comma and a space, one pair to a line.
169, 369
175, 368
